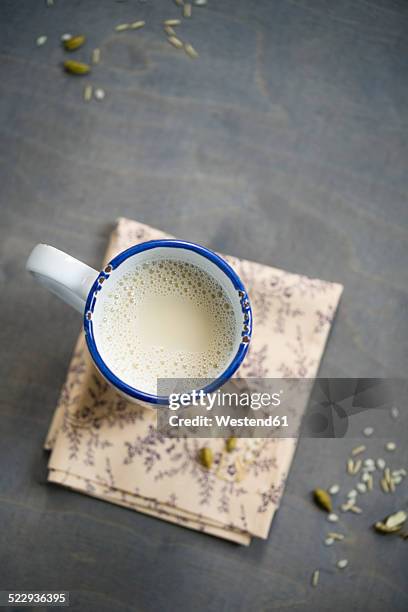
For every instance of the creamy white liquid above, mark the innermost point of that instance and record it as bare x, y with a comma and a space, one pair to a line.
166, 319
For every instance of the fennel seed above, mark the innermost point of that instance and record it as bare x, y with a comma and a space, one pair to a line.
136, 25
187, 10
176, 42
88, 93
96, 56
189, 49
315, 578
170, 31
357, 467
336, 536
172, 22
357, 450
122, 27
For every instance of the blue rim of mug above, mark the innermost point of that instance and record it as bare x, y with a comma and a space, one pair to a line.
139, 248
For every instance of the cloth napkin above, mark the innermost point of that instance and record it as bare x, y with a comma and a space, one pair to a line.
105, 447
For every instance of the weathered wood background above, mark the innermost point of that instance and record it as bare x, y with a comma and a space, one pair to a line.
286, 143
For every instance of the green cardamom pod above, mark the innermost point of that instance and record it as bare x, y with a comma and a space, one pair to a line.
206, 457
323, 499
74, 43
231, 444
74, 67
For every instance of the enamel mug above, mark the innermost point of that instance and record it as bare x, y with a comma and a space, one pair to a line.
82, 287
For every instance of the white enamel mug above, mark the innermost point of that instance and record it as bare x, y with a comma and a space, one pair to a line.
83, 288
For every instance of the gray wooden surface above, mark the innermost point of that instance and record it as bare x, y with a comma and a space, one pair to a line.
286, 143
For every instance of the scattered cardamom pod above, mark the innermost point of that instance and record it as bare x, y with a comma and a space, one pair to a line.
74, 67
391, 523
206, 457
323, 499
231, 444
74, 43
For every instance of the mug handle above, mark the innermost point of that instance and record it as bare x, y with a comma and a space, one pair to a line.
67, 277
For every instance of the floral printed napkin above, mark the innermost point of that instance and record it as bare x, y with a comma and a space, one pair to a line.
103, 446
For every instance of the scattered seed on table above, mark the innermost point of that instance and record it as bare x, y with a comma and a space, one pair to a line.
176, 42
352, 493
169, 31
370, 483
96, 56
384, 485
99, 94
358, 449
350, 466
172, 22
342, 563
41, 40
394, 412
315, 578
87, 93
365, 477
368, 431
136, 25
356, 510
74, 43
77, 68
332, 518
391, 485
189, 49
361, 487
346, 507
336, 536
122, 27
200, 2
329, 541
334, 489
390, 446
357, 466
380, 464
49, 2
397, 480
187, 10
66, 37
